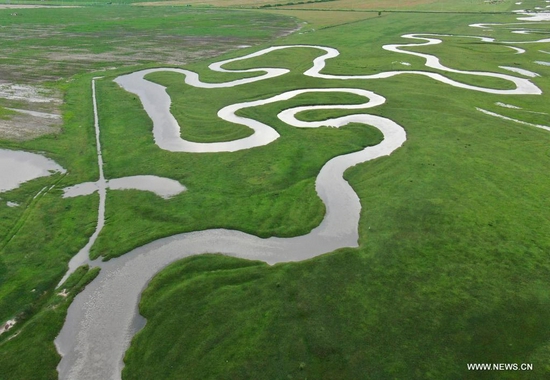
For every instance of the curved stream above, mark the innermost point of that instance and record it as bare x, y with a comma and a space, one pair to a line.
166, 130
103, 318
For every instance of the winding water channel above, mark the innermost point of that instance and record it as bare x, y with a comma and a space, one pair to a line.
102, 319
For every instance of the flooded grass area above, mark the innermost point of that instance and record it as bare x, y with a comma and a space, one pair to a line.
43, 47
50, 44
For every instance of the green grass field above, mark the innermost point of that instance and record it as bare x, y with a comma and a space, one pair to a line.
454, 243
38, 238
453, 261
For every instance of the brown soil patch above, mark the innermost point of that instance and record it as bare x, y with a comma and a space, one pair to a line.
35, 111
27, 127
41, 52
320, 20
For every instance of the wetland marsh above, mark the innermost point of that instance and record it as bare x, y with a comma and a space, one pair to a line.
433, 257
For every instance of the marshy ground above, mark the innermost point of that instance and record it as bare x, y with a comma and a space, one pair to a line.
452, 263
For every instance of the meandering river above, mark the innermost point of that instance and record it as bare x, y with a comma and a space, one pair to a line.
102, 319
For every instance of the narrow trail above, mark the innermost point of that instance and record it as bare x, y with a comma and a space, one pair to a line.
83, 255
22, 219
29, 208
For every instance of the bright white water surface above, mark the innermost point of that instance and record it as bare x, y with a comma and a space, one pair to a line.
527, 73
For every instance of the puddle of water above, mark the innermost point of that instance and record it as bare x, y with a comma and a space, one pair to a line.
163, 187
536, 17
36, 114
85, 188
17, 167
7, 326
507, 105
26, 93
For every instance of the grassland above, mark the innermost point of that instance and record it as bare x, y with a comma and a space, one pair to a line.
57, 49
353, 5
53, 44
271, 188
411, 5
29, 352
43, 48
453, 262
